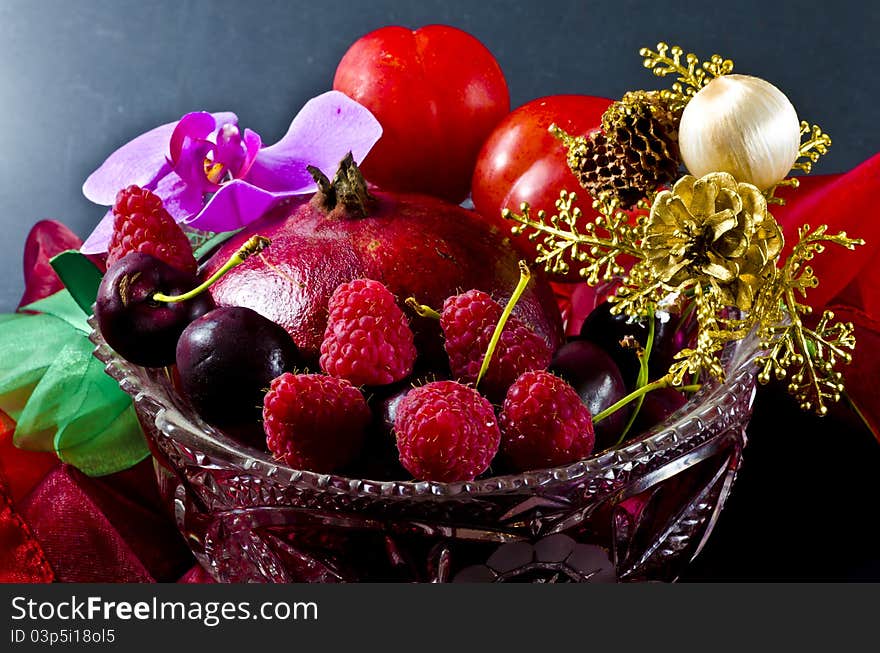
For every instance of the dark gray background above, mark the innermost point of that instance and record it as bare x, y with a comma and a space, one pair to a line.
78, 79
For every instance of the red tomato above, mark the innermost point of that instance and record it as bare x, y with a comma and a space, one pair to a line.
523, 162
438, 92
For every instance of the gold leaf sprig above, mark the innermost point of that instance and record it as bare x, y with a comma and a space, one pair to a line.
641, 290
567, 238
808, 357
692, 74
713, 242
710, 340
814, 144
770, 193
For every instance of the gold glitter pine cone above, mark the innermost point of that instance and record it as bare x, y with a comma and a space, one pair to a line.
635, 153
716, 231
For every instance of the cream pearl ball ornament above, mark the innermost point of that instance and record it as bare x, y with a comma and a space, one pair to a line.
742, 125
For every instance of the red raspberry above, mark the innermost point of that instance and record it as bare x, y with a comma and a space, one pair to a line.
468, 321
368, 340
446, 432
544, 423
313, 421
141, 224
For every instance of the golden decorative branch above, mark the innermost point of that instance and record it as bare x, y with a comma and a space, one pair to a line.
567, 238
812, 147
807, 356
814, 143
770, 193
692, 75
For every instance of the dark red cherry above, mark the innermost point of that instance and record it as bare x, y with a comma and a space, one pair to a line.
386, 406
656, 407
226, 360
142, 330
607, 330
385, 400
594, 375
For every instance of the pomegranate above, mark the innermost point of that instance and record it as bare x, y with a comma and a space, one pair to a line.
418, 246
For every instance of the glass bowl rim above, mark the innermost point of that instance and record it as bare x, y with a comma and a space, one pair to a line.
189, 430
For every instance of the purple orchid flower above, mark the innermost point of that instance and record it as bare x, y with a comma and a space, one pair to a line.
213, 177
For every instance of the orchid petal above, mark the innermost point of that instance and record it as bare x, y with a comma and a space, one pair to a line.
229, 152
321, 134
252, 143
180, 198
137, 162
235, 205
99, 239
195, 126
190, 165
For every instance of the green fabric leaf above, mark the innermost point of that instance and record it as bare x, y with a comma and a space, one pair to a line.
64, 307
82, 414
59, 394
118, 445
80, 277
13, 402
102, 404
29, 344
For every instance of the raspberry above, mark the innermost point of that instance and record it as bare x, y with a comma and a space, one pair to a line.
313, 421
368, 340
544, 423
141, 224
446, 432
468, 321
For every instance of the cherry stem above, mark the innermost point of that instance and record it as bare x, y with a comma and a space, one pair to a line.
422, 310
644, 359
662, 382
524, 276
254, 245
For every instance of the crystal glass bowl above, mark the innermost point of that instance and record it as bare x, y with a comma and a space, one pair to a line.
639, 512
